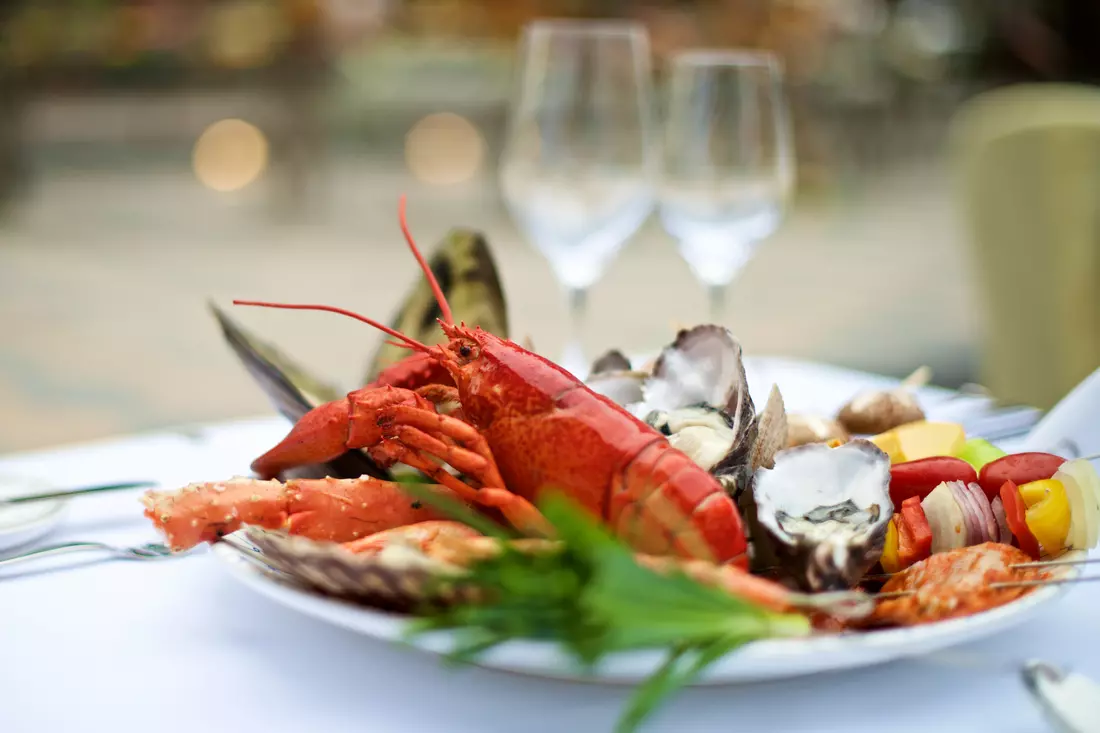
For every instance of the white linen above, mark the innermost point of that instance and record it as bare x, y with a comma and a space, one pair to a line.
179, 647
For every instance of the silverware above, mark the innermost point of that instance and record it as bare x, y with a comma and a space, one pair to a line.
150, 551
1069, 701
4, 501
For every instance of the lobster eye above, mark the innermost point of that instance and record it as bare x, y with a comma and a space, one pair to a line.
467, 351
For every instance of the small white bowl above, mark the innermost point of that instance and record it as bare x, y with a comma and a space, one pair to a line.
21, 524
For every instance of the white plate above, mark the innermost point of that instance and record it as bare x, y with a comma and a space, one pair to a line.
23, 524
762, 660
807, 387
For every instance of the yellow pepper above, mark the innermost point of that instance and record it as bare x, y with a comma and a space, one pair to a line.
889, 560
1048, 513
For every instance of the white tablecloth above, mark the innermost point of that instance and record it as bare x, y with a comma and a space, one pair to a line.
178, 646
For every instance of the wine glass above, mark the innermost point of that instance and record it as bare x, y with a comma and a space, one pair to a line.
578, 167
728, 161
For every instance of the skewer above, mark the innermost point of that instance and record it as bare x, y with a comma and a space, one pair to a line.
1036, 583
1045, 563
1000, 586
1039, 564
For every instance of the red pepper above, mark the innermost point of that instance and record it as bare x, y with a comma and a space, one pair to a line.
914, 534
1015, 515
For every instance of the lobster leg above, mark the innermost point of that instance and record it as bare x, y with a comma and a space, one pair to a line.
338, 510
416, 427
397, 425
415, 446
440, 394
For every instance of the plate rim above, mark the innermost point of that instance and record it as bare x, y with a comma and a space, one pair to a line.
862, 649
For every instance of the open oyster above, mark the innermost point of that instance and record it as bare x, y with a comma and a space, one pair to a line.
697, 394
824, 512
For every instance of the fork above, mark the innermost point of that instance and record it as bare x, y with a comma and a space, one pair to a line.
149, 551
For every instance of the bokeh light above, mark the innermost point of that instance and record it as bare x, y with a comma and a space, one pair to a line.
444, 149
229, 155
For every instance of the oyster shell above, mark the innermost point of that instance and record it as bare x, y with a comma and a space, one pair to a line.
704, 433
698, 395
400, 578
612, 361
622, 387
702, 366
698, 385
824, 512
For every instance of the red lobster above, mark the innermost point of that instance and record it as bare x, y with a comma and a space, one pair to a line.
522, 426
415, 370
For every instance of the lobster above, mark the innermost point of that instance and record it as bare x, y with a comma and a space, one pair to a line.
513, 425
415, 370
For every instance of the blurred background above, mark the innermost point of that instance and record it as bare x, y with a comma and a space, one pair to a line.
156, 154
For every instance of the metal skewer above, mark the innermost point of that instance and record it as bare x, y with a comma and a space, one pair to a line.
75, 492
999, 586
1038, 564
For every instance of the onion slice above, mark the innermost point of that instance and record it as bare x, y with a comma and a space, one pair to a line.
972, 515
945, 519
982, 501
998, 507
1083, 491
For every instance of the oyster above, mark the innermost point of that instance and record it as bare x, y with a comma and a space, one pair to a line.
697, 394
612, 361
703, 432
824, 512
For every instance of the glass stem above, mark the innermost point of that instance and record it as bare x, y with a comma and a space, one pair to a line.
716, 300
574, 349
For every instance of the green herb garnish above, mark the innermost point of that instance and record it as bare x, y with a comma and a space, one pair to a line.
590, 595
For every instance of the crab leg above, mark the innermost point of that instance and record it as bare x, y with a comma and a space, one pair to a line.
337, 510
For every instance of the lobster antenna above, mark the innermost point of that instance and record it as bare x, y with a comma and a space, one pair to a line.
432, 282
412, 343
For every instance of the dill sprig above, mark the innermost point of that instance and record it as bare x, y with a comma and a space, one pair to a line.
588, 594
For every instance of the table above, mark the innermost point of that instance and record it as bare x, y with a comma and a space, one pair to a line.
178, 646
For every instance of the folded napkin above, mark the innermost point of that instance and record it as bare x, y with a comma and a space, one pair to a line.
1072, 427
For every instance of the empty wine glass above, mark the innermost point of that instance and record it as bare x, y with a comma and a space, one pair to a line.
578, 167
728, 161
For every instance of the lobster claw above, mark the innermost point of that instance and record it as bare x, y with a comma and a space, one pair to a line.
293, 392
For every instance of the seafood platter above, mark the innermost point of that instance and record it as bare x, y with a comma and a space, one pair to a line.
476, 495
